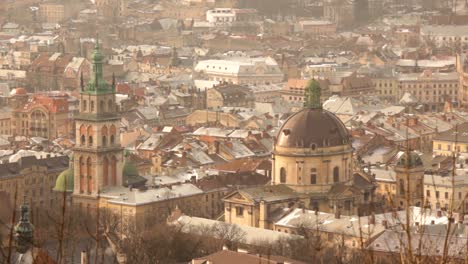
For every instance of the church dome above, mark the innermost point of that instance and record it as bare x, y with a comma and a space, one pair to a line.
129, 169
312, 128
130, 174
413, 161
64, 182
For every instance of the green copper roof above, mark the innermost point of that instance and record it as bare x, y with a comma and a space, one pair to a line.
129, 169
24, 231
97, 84
64, 182
174, 58
414, 160
312, 94
130, 175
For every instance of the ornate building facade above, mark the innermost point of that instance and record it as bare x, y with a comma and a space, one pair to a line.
312, 168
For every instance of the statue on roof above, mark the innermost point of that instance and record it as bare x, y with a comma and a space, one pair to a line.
312, 94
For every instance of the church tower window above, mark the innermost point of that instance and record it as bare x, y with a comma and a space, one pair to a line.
104, 135
105, 171
89, 172
90, 135
336, 174
110, 106
282, 175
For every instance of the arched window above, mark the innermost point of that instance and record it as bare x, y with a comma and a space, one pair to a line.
39, 123
101, 106
105, 171
336, 174
90, 135
82, 134
282, 175
89, 172
82, 174
104, 135
84, 105
112, 131
402, 187
114, 170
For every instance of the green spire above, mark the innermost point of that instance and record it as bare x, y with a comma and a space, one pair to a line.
174, 58
97, 83
312, 95
24, 231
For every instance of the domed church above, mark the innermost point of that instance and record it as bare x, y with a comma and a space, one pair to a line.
312, 168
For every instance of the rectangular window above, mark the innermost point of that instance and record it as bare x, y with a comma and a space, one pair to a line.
459, 195
347, 205
439, 147
446, 195
428, 193
239, 211
449, 147
437, 194
313, 176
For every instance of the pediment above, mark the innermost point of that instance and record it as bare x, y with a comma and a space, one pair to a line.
237, 197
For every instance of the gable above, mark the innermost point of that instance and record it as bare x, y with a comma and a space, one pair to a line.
237, 197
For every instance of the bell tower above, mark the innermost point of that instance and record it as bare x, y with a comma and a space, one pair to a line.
409, 176
98, 156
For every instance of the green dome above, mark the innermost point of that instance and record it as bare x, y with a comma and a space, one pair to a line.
129, 169
130, 175
414, 160
64, 182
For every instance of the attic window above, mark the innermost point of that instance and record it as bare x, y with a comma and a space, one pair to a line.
313, 146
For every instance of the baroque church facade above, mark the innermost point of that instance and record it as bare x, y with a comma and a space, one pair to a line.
312, 169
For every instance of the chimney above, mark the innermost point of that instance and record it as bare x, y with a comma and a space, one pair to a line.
372, 219
385, 224
84, 257
418, 227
